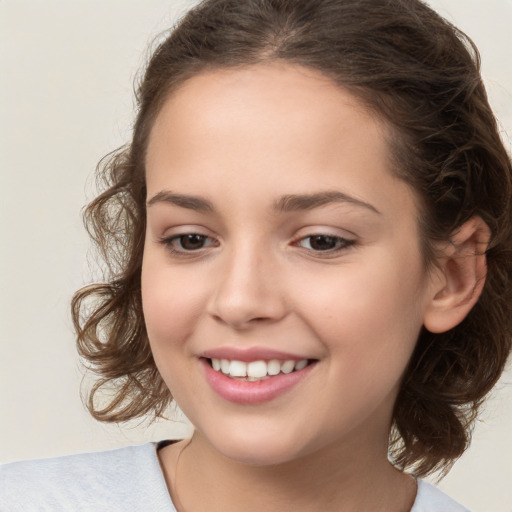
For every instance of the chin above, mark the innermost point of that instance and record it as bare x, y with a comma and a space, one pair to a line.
257, 447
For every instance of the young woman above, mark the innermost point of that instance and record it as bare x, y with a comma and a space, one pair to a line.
310, 240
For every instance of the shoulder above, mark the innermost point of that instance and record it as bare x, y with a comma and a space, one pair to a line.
431, 499
127, 479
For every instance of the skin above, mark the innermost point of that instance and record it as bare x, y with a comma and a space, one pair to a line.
241, 140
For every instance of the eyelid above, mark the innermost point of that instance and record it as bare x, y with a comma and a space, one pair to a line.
168, 243
344, 242
324, 231
185, 229
171, 235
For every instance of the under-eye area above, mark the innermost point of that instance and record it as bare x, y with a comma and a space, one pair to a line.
257, 370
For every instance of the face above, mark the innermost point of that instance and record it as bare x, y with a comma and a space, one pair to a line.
281, 248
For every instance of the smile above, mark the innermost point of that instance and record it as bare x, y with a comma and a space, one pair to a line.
256, 381
256, 370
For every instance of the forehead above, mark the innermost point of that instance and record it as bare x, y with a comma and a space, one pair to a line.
276, 121
304, 104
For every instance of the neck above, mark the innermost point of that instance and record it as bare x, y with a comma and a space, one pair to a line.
332, 478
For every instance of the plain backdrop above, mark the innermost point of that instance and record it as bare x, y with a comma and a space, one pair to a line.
66, 75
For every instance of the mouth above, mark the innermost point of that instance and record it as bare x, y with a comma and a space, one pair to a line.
259, 370
254, 381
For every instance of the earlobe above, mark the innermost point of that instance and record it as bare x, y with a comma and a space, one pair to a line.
460, 279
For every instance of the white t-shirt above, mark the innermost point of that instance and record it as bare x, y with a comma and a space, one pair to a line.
123, 480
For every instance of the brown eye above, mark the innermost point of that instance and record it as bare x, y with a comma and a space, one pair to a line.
325, 243
188, 243
191, 242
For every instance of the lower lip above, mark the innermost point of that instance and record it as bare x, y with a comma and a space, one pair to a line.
249, 393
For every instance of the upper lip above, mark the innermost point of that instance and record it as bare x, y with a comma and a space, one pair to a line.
250, 354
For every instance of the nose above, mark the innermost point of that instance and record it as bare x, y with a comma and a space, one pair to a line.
248, 290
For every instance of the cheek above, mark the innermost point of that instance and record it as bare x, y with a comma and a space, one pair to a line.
170, 309
368, 310
170, 303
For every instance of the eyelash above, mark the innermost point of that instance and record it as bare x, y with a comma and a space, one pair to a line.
169, 244
341, 244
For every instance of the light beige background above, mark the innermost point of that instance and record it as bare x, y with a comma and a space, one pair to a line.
66, 74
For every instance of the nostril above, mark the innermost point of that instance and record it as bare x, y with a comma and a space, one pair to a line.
242, 299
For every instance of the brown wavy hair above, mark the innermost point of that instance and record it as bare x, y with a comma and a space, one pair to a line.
414, 70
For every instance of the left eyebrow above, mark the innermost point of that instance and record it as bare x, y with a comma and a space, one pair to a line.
184, 201
296, 202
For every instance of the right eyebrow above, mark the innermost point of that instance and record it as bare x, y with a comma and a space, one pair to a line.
297, 202
197, 203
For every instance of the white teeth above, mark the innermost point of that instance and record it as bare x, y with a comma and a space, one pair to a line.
224, 366
256, 370
288, 366
273, 367
238, 369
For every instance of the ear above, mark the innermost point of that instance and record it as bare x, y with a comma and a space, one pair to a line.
460, 279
